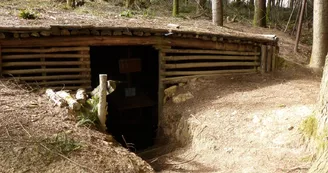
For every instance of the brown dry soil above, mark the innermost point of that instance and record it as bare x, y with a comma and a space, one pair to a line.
243, 124
37, 136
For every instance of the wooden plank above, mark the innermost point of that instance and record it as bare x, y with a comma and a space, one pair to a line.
218, 52
0, 60
172, 80
209, 64
161, 85
269, 59
44, 63
274, 58
49, 70
263, 58
31, 56
48, 50
82, 41
60, 82
203, 57
187, 73
123, 40
38, 78
70, 87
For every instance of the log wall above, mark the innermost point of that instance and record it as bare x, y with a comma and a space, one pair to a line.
182, 64
57, 67
59, 56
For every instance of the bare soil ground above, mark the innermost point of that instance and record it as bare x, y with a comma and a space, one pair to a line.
36, 136
241, 124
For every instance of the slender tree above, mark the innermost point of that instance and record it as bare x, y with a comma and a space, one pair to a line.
299, 28
217, 12
260, 11
200, 6
291, 3
251, 3
128, 3
175, 10
268, 11
320, 34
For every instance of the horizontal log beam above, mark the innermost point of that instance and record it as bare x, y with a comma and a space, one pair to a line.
31, 56
209, 64
70, 87
200, 57
195, 51
38, 78
172, 80
81, 41
47, 70
53, 63
50, 50
60, 82
124, 40
187, 73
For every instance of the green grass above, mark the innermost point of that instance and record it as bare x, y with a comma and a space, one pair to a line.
88, 115
62, 143
27, 14
309, 127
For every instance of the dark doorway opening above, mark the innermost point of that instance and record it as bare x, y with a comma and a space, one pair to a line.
133, 107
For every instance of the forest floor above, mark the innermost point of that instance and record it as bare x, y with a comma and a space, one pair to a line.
245, 124
37, 136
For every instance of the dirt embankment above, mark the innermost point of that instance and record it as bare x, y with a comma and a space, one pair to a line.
36, 136
240, 124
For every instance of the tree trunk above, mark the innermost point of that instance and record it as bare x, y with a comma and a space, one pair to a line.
299, 28
129, 3
217, 12
200, 6
251, 3
320, 34
175, 10
321, 162
268, 11
259, 15
291, 3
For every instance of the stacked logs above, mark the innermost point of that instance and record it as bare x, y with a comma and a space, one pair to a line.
65, 99
89, 30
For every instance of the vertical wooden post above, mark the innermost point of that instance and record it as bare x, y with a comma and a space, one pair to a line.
263, 58
274, 58
0, 61
269, 58
160, 87
102, 101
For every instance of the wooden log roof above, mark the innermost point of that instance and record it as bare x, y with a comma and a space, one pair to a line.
230, 36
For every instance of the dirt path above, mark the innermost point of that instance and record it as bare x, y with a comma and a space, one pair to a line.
245, 124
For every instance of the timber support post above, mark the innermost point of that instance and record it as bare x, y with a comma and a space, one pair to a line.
0, 61
102, 112
263, 58
269, 58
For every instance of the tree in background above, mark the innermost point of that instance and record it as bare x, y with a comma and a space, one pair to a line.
128, 3
260, 11
200, 6
175, 10
268, 11
251, 3
217, 12
320, 34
